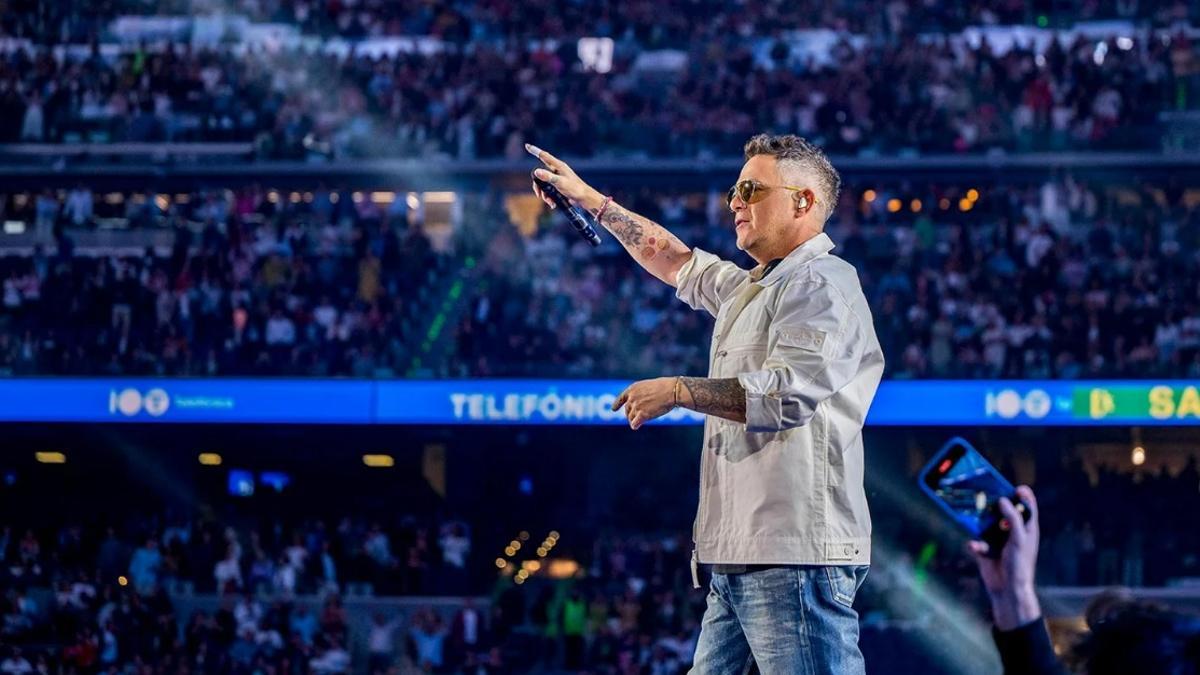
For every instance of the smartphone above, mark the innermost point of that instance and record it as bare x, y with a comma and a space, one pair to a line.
969, 488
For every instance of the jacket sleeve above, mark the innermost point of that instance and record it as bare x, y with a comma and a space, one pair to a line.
1026, 650
705, 281
816, 347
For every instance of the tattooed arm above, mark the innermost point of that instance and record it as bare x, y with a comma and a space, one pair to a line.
650, 244
650, 399
722, 397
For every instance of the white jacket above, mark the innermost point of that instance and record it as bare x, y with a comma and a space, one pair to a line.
786, 487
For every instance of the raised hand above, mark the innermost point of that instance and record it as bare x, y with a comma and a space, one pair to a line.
559, 174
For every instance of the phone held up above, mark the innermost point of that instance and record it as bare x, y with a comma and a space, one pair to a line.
968, 488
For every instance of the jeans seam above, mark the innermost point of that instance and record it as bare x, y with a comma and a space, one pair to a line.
723, 597
738, 619
805, 643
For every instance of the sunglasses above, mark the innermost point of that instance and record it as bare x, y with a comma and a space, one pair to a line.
752, 192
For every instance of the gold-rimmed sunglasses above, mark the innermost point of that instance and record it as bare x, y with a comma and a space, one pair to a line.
751, 191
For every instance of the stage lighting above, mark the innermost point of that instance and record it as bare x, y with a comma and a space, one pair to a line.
379, 461
1138, 457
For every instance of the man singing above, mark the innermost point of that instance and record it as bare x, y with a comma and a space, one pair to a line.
793, 367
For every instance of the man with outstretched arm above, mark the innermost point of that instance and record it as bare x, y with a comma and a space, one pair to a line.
793, 367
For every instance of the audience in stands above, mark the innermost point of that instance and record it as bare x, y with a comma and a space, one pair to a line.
1063, 279
257, 287
655, 23
101, 594
892, 93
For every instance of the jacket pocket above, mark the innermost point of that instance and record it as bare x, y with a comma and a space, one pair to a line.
807, 339
733, 360
733, 443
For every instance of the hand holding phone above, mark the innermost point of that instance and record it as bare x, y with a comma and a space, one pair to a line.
1009, 576
1002, 520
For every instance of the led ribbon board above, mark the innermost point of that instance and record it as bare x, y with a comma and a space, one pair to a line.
565, 402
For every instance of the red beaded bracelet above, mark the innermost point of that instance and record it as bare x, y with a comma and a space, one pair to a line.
603, 206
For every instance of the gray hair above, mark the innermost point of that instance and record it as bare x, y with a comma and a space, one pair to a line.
794, 152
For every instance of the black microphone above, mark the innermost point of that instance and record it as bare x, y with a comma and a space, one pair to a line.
573, 214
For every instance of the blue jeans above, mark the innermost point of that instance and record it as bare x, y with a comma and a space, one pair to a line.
783, 620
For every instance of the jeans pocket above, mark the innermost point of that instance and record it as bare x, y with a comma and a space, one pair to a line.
844, 582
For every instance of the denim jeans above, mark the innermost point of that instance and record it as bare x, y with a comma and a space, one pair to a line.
783, 620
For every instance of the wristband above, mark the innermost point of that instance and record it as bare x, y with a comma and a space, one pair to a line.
603, 207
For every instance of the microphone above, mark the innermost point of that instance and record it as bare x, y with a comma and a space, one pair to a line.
573, 214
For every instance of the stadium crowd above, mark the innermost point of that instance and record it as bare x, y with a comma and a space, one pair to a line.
401, 555
872, 96
76, 21
1063, 279
255, 289
95, 597
1066, 279
102, 593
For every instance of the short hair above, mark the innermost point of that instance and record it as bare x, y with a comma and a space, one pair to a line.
797, 152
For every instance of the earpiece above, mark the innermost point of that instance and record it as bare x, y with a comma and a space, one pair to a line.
802, 202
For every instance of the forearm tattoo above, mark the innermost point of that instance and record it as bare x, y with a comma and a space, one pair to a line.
643, 237
721, 397
625, 226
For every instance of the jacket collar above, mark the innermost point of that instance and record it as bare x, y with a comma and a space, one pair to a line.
817, 246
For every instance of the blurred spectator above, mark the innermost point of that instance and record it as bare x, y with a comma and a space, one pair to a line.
467, 631
228, 572
455, 544
427, 641
144, 566
15, 663
381, 644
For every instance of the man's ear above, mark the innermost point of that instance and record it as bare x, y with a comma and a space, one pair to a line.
803, 201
